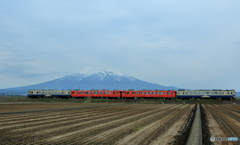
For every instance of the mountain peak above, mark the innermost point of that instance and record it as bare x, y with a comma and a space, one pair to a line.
100, 74
92, 71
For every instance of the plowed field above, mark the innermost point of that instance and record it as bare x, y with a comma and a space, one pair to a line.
223, 121
44, 106
126, 124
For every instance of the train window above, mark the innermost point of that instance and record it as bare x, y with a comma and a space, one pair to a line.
62, 92
82, 92
96, 92
215, 93
186, 93
207, 93
145, 92
86, 92
68, 92
55, 92
93, 92
199, 93
153, 93
157, 92
89, 92
141, 92
113, 92
161, 93
100, 92
211, 93
149, 92
109, 92
191, 93
231, 93
136, 92
106, 92
183, 93
52, 92
168, 93
195, 93
72, 92
203, 93
227, 93
132, 92
127, 92
178, 93
103, 92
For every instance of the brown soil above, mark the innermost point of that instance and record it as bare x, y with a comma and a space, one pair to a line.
44, 106
127, 124
223, 121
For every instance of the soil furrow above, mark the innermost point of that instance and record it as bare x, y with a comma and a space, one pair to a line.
122, 131
103, 126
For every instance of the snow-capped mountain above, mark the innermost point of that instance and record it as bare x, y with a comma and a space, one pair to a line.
92, 78
99, 74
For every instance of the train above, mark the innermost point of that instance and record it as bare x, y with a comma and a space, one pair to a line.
134, 94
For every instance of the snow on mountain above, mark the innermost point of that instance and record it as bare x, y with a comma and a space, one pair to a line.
92, 71
97, 73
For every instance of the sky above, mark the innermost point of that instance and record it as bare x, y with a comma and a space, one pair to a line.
186, 44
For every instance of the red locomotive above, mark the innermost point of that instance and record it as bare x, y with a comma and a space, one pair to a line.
123, 94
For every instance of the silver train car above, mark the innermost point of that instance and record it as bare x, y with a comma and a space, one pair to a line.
49, 93
211, 94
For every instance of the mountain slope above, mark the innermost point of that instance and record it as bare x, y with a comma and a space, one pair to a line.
91, 79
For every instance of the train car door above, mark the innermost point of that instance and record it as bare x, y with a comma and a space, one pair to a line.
122, 94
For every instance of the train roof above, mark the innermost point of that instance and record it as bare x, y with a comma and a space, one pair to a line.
206, 90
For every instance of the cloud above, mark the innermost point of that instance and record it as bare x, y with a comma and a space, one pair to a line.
184, 44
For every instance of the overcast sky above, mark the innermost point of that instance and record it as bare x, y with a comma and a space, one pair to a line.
187, 44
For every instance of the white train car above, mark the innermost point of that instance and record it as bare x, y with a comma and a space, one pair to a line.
49, 93
213, 94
